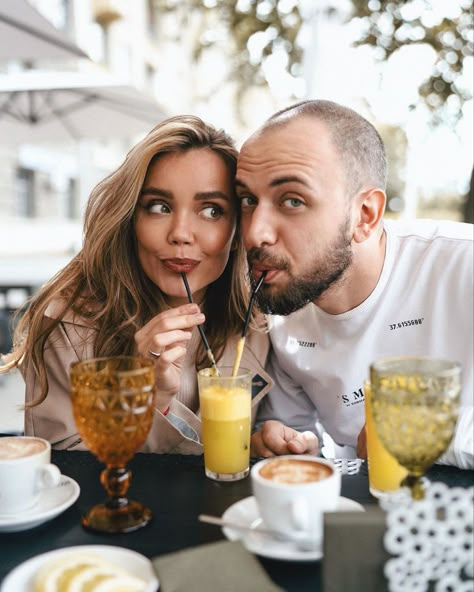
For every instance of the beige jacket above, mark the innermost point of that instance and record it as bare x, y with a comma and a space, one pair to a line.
178, 432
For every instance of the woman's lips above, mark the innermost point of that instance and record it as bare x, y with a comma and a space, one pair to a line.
180, 265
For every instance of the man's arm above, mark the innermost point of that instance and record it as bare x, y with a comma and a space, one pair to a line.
461, 450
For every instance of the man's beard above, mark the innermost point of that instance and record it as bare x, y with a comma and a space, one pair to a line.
326, 271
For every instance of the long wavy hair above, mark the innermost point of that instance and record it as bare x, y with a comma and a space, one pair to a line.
105, 284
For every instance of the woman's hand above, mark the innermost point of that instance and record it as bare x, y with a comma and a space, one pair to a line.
165, 339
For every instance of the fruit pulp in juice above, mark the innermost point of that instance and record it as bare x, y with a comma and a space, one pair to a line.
385, 474
225, 415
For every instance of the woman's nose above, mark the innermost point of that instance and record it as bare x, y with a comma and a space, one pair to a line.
181, 230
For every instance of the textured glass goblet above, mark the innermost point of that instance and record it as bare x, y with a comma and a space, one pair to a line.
415, 403
113, 406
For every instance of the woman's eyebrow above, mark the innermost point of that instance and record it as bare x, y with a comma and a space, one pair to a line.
200, 195
156, 191
203, 195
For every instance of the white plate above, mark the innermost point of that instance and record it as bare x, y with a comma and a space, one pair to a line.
50, 504
22, 577
245, 512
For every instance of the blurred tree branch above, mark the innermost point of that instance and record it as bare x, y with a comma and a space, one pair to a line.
269, 25
388, 25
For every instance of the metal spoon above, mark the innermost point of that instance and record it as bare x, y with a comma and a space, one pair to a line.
303, 542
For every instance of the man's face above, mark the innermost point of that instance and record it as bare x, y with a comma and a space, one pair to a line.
296, 217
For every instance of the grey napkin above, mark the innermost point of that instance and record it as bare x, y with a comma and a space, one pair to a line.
354, 555
224, 566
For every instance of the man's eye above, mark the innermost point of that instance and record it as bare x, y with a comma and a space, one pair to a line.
212, 212
158, 208
247, 201
292, 203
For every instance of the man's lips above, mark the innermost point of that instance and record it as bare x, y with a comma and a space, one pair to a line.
180, 265
258, 269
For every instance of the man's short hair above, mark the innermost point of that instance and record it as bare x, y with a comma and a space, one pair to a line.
359, 144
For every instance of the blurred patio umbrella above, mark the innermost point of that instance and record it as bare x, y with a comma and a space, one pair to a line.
25, 34
53, 107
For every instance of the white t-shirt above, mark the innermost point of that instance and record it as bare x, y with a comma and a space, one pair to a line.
422, 305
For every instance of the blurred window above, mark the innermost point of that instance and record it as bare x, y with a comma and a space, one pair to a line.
72, 200
25, 193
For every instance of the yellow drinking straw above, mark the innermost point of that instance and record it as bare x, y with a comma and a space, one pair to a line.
241, 342
210, 355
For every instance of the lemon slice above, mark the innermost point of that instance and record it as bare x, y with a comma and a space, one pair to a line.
55, 575
120, 584
104, 578
85, 573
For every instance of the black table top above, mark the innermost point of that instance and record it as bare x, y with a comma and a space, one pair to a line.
176, 490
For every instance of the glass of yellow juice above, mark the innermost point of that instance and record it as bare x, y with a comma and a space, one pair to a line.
385, 474
225, 405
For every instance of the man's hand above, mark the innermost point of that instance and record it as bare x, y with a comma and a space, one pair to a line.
362, 443
274, 439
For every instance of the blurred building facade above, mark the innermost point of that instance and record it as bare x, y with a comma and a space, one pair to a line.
43, 188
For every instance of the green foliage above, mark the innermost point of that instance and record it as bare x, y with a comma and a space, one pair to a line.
388, 25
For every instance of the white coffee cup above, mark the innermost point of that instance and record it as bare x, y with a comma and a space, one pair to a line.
25, 469
293, 492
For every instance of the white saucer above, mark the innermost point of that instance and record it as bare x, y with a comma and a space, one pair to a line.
51, 503
22, 577
245, 512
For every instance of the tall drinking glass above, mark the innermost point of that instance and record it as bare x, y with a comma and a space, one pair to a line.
225, 403
415, 403
113, 406
385, 473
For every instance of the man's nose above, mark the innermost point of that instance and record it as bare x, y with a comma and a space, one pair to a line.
259, 228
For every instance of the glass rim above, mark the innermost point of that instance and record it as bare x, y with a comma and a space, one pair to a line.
242, 373
443, 367
145, 365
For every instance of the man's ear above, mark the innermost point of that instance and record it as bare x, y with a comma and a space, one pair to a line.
369, 207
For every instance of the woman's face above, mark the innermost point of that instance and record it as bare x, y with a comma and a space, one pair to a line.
185, 222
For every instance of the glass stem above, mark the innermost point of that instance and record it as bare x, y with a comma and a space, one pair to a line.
415, 484
116, 481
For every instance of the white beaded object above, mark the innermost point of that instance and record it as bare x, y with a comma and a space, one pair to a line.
433, 540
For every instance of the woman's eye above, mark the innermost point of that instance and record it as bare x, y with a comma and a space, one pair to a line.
158, 208
293, 202
212, 212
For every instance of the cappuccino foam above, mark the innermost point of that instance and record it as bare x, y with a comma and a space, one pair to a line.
17, 447
295, 471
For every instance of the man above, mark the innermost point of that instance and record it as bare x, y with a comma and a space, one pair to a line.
343, 286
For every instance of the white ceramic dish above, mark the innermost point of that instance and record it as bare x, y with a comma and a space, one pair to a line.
21, 578
245, 512
51, 503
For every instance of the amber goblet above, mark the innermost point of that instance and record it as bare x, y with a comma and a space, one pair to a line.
113, 406
415, 402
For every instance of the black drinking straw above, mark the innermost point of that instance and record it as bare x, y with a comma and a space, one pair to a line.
252, 298
240, 345
210, 355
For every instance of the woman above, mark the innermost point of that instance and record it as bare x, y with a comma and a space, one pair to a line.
169, 208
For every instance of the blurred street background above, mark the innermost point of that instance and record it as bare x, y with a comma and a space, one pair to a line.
82, 80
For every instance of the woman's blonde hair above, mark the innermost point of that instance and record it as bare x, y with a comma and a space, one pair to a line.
105, 284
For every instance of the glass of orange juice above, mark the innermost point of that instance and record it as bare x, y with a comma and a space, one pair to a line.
385, 474
225, 403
